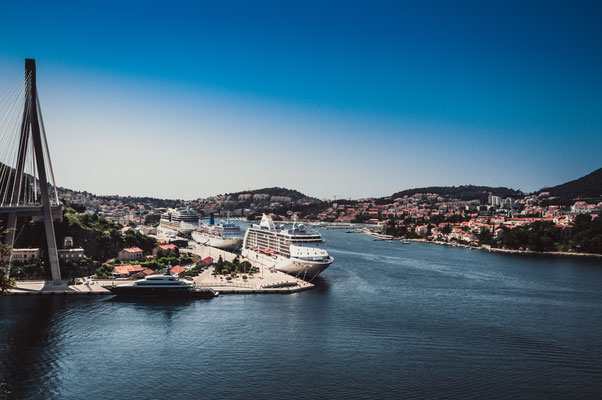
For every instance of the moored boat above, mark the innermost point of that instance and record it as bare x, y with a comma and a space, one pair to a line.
161, 286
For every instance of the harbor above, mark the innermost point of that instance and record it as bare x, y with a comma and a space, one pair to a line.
377, 302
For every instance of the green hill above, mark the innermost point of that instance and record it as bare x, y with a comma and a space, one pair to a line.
463, 192
295, 195
588, 187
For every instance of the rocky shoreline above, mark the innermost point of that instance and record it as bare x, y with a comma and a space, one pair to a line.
511, 251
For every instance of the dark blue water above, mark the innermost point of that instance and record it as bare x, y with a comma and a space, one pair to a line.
387, 321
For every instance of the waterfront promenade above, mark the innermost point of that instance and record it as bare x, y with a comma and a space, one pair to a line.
267, 280
48, 287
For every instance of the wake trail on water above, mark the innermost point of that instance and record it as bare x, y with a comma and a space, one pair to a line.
422, 266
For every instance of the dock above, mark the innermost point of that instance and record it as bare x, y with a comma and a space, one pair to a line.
93, 287
267, 280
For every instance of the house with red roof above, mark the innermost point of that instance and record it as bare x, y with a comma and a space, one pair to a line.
207, 261
177, 270
123, 271
130, 253
165, 248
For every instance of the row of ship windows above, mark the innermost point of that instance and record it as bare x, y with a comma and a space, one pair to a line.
287, 237
262, 243
270, 243
266, 239
285, 242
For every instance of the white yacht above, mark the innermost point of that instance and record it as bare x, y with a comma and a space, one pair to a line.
160, 286
224, 235
183, 220
296, 251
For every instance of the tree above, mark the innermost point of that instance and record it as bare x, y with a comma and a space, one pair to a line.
152, 219
78, 208
6, 282
104, 270
485, 236
587, 234
219, 265
245, 267
538, 236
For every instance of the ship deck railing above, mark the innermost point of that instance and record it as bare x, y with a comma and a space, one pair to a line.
228, 284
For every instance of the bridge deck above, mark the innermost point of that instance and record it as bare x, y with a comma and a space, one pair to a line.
27, 209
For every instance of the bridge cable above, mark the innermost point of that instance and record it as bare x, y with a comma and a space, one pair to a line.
27, 126
11, 135
43, 129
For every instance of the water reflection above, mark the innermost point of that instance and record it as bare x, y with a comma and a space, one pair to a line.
322, 285
29, 339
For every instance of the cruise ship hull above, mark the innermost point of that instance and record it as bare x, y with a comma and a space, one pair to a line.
137, 291
226, 244
300, 268
175, 228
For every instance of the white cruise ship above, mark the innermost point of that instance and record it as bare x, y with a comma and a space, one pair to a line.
183, 220
224, 235
296, 251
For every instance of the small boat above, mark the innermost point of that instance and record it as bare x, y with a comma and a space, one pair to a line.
165, 285
405, 241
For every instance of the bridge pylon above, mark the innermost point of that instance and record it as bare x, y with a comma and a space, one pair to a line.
32, 141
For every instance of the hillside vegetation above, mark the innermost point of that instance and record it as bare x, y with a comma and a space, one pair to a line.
463, 192
588, 187
295, 195
101, 239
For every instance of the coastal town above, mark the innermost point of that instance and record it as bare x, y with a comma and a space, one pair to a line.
119, 237
422, 215
428, 206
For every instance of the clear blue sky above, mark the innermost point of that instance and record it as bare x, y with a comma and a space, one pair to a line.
187, 99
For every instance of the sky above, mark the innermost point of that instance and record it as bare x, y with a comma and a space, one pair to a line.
333, 98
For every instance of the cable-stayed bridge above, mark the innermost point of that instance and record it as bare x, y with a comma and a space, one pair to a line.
27, 186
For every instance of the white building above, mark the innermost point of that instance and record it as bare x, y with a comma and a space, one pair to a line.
495, 200
68, 256
21, 256
148, 230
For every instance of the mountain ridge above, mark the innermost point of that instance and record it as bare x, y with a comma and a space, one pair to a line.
588, 186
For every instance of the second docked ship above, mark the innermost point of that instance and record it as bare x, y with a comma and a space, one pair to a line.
224, 235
